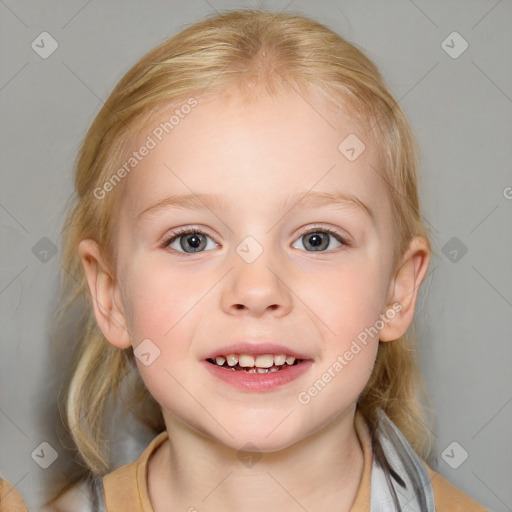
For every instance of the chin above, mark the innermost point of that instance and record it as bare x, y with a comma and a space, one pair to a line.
258, 443
265, 439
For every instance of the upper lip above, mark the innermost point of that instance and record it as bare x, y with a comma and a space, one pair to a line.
256, 348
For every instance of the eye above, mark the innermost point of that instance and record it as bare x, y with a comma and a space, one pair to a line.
191, 240
319, 239
188, 241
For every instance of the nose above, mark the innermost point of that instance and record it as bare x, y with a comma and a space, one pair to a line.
253, 288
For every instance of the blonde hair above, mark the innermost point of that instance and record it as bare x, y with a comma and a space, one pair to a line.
241, 49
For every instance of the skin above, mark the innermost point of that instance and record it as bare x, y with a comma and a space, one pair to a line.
317, 302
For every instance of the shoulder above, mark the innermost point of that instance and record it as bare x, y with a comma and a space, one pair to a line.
450, 499
124, 475
10, 499
122, 488
77, 497
126, 488
73, 500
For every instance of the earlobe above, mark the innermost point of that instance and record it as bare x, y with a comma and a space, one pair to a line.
105, 296
405, 288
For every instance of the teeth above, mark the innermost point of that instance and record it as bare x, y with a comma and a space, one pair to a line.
279, 360
264, 361
246, 361
232, 359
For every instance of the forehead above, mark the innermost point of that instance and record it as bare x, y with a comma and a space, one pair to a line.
264, 149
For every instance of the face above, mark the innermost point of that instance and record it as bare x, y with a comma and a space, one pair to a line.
259, 265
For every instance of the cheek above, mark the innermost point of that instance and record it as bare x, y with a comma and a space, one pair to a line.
163, 311
347, 302
346, 298
162, 326
156, 300
339, 378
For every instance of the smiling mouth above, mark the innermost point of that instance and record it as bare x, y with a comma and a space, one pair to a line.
266, 363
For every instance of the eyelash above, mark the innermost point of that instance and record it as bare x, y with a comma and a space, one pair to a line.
331, 232
190, 230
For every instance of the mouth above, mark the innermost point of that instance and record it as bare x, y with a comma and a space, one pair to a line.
257, 365
264, 363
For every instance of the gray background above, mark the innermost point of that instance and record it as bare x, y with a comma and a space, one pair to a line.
460, 109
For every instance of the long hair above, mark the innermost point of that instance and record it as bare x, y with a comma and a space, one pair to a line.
239, 50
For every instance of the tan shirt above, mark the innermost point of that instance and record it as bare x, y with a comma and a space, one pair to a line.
126, 489
10, 500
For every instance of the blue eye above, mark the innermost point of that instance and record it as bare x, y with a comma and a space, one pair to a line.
190, 240
319, 239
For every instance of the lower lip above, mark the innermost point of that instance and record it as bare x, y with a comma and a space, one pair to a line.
259, 381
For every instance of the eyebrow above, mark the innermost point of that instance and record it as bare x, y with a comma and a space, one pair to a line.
201, 201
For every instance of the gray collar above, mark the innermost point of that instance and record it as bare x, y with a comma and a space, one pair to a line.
399, 479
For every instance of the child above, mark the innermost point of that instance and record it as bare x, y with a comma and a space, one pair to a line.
248, 226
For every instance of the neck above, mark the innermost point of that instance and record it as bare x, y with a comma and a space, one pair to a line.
320, 472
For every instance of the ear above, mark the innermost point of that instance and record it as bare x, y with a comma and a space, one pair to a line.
105, 295
404, 289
